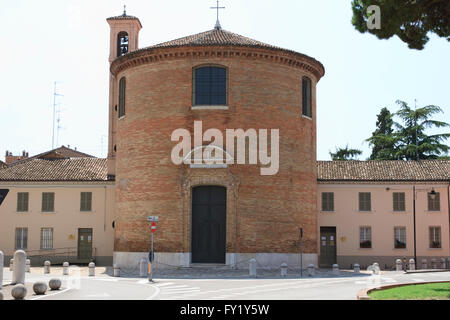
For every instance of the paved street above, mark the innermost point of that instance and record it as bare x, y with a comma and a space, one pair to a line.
323, 286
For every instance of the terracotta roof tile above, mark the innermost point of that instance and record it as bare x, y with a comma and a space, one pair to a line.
423, 170
74, 169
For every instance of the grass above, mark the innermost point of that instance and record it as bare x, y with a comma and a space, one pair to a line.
430, 291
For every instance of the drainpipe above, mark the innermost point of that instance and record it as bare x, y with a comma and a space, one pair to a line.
448, 204
414, 219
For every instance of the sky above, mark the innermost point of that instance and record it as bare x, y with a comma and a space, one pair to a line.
67, 42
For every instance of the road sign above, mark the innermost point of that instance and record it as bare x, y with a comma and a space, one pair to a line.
153, 218
153, 227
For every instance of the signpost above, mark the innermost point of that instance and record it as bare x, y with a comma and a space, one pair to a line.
301, 252
151, 255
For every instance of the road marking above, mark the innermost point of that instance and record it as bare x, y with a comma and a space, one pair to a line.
163, 284
51, 295
389, 280
180, 292
106, 279
157, 290
175, 287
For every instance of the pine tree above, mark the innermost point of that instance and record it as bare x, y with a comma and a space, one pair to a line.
383, 139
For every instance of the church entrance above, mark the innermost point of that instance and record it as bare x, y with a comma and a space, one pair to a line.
209, 224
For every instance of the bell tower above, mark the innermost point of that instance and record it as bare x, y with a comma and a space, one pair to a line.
124, 38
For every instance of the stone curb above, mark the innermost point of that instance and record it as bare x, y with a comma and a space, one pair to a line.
364, 293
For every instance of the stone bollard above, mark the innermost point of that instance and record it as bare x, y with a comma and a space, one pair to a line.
143, 268
311, 270
54, 284
40, 288
65, 269
442, 263
1, 295
1, 269
116, 270
412, 264
284, 268
335, 270
20, 259
424, 264
11, 265
433, 263
252, 268
19, 292
28, 266
91, 269
47, 265
356, 268
398, 265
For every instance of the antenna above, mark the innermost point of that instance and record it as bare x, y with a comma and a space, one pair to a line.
55, 107
415, 125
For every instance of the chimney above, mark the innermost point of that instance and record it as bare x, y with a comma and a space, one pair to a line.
9, 158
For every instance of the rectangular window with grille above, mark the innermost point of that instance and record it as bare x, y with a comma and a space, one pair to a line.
46, 238
364, 201
86, 201
435, 237
327, 201
365, 237
48, 202
21, 238
122, 89
399, 201
22, 201
434, 202
209, 86
399, 237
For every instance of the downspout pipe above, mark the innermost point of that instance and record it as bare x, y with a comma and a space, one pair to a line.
414, 223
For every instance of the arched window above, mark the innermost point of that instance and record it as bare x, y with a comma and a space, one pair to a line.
209, 86
122, 43
122, 85
306, 97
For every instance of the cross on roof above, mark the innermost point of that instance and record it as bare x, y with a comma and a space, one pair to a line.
217, 26
124, 10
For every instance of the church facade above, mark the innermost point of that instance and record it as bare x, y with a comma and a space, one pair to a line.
211, 213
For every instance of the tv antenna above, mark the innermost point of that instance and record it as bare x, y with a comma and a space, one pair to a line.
56, 110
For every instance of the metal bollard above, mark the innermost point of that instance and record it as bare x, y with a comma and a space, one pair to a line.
91, 269
2, 257
20, 260
311, 270
11, 265
116, 270
252, 268
143, 268
284, 268
412, 264
28, 266
398, 265
335, 270
65, 269
424, 264
356, 268
442, 263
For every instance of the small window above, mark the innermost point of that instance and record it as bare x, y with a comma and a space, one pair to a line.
122, 43
21, 238
399, 237
399, 201
364, 201
122, 88
22, 201
46, 238
434, 202
365, 237
435, 237
327, 201
48, 202
306, 97
210, 86
86, 201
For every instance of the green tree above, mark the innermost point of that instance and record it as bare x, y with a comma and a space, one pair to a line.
413, 143
410, 20
383, 139
345, 154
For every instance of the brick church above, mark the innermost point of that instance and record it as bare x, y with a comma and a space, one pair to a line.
218, 206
